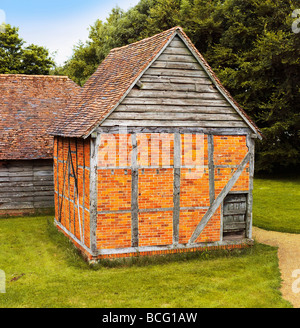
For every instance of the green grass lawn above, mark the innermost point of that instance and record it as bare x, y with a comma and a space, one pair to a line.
43, 270
277, 204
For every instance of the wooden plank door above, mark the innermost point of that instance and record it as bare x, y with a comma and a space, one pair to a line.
234, 216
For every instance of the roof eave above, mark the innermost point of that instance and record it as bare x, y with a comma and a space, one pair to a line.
90, 131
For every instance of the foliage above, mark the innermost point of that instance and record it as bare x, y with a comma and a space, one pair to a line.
119, 29
15, 58
249, 44
257, 60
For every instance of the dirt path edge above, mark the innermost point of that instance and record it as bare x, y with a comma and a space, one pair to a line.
289, 260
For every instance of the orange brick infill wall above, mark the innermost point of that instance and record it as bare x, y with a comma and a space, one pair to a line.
155, 161
230, 150
155, 189
71, 165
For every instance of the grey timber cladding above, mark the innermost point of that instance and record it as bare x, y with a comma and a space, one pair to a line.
26, 184
175, 91
234, 213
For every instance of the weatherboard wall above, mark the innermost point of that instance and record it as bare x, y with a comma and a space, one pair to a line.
26, 187
175, 91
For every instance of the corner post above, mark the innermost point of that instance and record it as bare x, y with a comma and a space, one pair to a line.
251, 147
95, 142
134, 193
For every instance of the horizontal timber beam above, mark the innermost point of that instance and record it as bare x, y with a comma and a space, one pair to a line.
154, 129
141, 249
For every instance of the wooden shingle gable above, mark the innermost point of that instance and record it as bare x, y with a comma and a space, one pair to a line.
218, 84
125, 74
176, 90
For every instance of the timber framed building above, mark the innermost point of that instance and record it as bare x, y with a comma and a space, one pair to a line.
154, 156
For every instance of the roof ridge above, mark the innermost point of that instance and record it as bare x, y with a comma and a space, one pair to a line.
35, 76
148, 38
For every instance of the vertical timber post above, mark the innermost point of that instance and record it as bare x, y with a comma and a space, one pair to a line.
251, 147
211, 167
95, 142
57, 174
69, 194
134, 193
83, 192
176, 187
211, 173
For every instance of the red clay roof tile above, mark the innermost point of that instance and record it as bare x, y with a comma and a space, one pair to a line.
28, 106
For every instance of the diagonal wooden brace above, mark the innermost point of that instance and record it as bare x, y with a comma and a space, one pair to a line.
218, 201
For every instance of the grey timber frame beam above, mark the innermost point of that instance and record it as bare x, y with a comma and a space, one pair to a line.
170, 247
64, 176
69, 233
69, 174
251, 147
134, 193
218, 201
83, 191
95, 142
57, 171
176, 187
157, 129
211, 168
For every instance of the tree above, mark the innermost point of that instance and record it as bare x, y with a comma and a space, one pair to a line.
119, 29
257, 59
15, 58
163, 15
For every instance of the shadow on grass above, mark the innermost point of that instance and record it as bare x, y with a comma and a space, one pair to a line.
74, 257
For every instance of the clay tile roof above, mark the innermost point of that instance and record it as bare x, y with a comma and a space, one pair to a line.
113, 79
28, 106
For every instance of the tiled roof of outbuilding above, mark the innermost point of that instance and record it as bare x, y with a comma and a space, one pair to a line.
28, 106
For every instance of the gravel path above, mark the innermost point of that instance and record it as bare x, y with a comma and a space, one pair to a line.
289, 259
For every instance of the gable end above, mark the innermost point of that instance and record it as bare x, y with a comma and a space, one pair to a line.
175, 91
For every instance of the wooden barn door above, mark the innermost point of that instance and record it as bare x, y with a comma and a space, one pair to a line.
234, 216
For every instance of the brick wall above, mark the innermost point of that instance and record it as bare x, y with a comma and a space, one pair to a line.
155, 160
155, 187
230, 150
69, 154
